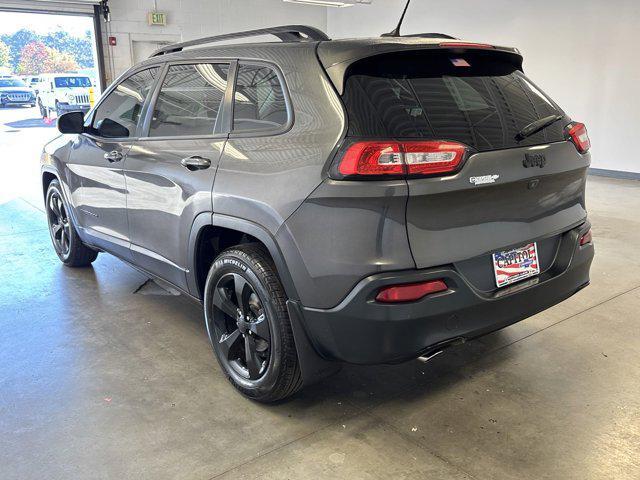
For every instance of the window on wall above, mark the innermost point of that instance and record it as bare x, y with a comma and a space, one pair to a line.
259, 102
118, 115
189, 100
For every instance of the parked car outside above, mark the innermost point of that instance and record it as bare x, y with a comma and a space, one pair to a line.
33, 83
63, 92
13, 91
329, 201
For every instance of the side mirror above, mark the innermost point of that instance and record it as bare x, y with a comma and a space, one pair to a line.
111, 129
71, 122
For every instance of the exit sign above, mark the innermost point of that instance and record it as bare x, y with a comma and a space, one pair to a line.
157, 18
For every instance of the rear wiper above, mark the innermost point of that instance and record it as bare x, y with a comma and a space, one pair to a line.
535, 127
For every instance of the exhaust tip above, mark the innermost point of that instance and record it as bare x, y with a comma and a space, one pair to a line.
441, 347
426, 358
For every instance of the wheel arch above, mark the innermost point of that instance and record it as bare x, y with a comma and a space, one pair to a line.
212, 233
47, 177
49, 173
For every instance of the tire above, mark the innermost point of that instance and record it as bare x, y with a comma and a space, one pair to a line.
59, 111
66, 242
276, 373
43, 111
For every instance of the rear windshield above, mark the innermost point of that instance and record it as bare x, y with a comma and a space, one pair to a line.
72, 82
477, 98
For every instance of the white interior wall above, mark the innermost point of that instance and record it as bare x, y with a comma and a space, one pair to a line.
584, 53
188, 19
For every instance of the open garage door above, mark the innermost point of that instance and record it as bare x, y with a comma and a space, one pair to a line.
88, 8
70, 6
50, 63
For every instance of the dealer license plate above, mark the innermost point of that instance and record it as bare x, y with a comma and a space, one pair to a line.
511, 266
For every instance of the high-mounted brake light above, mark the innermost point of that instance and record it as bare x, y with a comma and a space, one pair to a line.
577, 133
410, 292
465, 45
374, 158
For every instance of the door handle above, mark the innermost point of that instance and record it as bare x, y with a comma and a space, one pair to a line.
195, 162
113, 156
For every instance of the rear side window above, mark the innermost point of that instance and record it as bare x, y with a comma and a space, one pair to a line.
189, 100
259, 102
476, 99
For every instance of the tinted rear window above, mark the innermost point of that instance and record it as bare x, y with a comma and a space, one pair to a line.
477, 99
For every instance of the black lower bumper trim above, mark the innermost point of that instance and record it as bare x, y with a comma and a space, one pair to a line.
363, 331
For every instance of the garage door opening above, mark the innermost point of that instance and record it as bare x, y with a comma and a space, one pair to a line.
49, 65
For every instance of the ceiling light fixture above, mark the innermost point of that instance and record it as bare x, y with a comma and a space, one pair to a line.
331, 3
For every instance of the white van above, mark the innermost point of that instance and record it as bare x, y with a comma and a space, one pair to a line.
63, 92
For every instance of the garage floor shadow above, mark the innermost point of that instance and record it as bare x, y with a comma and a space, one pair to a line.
31, 123
104, 375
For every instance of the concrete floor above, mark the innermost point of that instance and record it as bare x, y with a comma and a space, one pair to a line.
98, 381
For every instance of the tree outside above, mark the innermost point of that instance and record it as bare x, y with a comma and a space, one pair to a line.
32, 59
37, 58
5, 54
60, 62
29, 53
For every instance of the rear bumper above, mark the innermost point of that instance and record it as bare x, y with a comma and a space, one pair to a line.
362, 331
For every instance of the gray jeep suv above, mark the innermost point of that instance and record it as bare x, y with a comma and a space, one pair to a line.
363, 201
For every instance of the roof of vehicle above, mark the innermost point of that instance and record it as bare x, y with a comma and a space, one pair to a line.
335, 55
294, 35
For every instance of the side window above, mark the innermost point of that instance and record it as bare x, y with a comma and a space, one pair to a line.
119, 113
189, 100
259, 102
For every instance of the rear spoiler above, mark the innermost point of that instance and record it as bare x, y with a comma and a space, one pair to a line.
337, 57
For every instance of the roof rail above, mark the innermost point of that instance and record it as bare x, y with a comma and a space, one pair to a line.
286, 33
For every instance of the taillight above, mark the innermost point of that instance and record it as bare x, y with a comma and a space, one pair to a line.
586, 238
429, 158
577, 133
375, 158
410, 292
372, 158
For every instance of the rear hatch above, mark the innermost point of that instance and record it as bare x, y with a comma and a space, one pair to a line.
506, 191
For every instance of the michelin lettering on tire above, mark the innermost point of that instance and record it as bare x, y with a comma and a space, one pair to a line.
229, 261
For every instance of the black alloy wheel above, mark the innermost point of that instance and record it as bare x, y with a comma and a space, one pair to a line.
59, 225
66, 242
245, 309
241, 327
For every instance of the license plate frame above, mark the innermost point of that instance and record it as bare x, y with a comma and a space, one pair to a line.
511, 266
